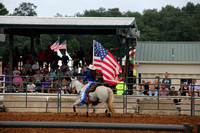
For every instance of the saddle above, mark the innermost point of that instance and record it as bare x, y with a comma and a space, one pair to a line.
92, 87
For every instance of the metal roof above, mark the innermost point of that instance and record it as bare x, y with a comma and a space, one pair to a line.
168, 52
68, 25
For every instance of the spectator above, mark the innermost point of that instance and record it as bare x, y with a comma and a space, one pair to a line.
23, 71
69, 72
49, 77
65, 59
145, 87
56, 86
75, 71
64, 88
63, 67
157, 82
53, 65
31, 87
15, 71
18, 82
42, 71
153, 91
53, 73
38, 78
140, 93
46, 69
30, 73
60, 74
46, 85
82, 73
172, 92
167, 81
85, 70
184, 90
195, 86
163, 90
121, 88
55, 58
27, 65
35, 66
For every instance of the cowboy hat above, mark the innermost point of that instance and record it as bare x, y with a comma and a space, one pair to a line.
91, 67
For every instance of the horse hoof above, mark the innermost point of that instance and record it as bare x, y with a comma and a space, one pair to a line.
75, 114
109, 115
106, 111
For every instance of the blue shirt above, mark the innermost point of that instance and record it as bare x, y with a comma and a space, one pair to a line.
89, 78
45, 83
155, 92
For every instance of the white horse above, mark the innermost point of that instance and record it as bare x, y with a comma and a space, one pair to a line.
102, 93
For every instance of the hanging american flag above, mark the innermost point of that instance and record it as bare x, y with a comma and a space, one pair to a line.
55, 45
105, 63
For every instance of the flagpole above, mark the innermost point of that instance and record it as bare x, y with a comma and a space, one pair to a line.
93, 54
66, 48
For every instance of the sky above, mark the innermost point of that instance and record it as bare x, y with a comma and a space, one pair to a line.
49, 8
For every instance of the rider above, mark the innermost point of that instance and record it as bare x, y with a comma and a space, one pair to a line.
91, 78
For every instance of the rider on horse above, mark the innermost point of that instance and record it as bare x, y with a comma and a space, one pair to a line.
91, 78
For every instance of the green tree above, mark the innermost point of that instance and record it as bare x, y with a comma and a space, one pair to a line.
3, 10
25, 9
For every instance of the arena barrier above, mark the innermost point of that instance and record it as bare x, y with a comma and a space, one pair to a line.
129, 102
186, 128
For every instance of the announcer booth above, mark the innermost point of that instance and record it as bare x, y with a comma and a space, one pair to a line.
124, 28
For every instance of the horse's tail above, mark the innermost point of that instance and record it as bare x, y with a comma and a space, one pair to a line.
110, 100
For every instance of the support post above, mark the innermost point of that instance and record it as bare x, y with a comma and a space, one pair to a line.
10, 60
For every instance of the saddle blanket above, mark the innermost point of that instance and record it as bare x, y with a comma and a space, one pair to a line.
84, 96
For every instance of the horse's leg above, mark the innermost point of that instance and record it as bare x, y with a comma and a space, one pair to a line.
93, 109
107, 110
74, 106
87, 106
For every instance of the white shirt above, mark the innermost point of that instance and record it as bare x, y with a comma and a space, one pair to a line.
35, 67
31, 87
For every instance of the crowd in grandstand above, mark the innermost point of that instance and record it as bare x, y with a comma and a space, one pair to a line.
40, 73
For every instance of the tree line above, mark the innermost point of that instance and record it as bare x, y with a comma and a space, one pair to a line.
169, 24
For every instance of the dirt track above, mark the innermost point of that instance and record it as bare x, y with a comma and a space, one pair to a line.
116, 118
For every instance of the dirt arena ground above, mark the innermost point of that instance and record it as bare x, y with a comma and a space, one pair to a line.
70, 117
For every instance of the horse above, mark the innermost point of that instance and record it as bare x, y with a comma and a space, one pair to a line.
102, 94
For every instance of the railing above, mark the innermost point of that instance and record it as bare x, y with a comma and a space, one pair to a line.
191, 105
186, 128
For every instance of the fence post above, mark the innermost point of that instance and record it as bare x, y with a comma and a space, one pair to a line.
192, 99
158, 100
187, 127
57, 88
198, 130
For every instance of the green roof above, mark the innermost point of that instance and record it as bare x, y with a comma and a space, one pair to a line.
168, 52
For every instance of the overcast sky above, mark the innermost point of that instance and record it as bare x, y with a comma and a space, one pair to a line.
49, 8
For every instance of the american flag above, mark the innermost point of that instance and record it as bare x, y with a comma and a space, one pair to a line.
105, 63
55, 45
63, 45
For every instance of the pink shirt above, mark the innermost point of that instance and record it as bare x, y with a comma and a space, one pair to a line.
16, 80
